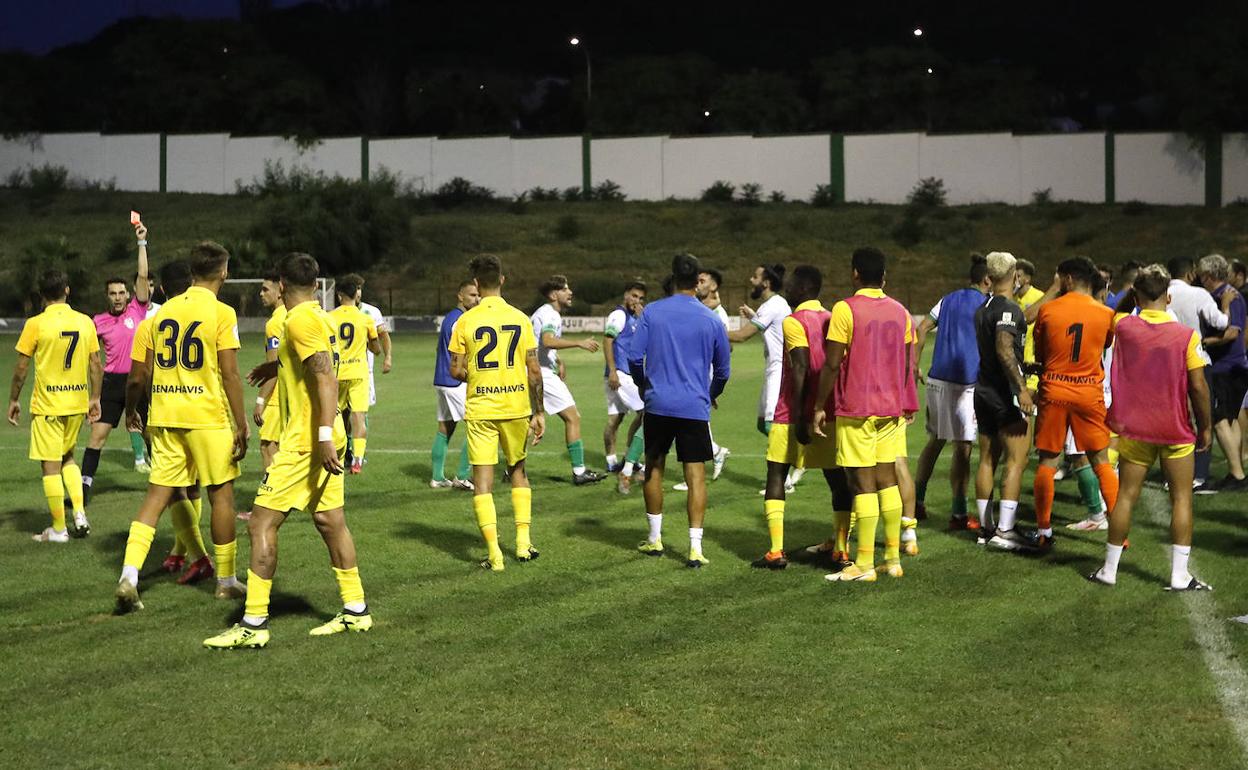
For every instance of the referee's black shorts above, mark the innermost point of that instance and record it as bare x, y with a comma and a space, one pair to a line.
692, 438
113, 398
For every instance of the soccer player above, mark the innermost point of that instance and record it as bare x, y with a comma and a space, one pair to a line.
1002, 402
450, 394
1072, 331
115, 329
1126, 279
196, 420
951, 387
1228, 373
765, 285
681, 362
547, 323
709, 281
307, 471
621, 391
868, 369
356, 332
185, 508
494, 350
267, 414
789, 442
63, 344
383, 336
1155, 374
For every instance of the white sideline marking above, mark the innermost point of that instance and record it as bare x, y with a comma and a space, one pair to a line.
1229, 679
384, 451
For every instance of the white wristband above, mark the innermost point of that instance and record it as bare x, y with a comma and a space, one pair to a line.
260, 401
143, 242
325, 433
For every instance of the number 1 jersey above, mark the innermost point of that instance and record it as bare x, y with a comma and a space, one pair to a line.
184, 338
1071, 335
495, 339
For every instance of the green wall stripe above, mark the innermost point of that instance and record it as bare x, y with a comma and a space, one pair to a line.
164, 163
1213, 170
836, 157
1109, 166
587, 177
364, 158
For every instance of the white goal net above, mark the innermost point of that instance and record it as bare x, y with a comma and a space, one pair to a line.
243, 294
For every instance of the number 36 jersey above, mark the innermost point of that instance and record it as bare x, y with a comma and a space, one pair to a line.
495, 339
1071, 335
183, 340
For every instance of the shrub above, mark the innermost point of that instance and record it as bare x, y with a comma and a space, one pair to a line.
720, 192
1042, 197
573, 194
751, 193
608, 191
543, 194
16, 179
928, 193
824, 196
776, 197
519, 205
909, 230
460, 192
1062, 212
119, 248
1136, 208
568, 228
20, 294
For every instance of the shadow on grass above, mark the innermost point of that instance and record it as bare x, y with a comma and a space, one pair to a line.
27, 519
281, 605
456, 542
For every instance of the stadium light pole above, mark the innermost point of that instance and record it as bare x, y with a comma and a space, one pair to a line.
576, 42
587, 179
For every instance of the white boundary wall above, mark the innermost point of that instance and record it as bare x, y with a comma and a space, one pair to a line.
1160, 168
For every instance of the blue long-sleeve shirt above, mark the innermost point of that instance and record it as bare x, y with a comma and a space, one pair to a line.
679, 357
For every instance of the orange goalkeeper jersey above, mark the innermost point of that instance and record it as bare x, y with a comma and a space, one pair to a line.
1071, 335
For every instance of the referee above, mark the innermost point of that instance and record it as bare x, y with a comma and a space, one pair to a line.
679, 359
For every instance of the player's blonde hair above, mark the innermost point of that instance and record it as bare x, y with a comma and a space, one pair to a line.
1000, 264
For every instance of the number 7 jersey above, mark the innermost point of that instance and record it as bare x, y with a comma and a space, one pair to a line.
1071, 334
183, 340
495, 339
60, 340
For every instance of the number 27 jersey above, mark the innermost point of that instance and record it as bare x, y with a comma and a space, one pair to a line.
184, 339
495, 339
1071, 335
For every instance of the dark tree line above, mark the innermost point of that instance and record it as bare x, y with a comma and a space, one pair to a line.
484, 67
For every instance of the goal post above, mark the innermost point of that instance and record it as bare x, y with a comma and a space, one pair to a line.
243, 294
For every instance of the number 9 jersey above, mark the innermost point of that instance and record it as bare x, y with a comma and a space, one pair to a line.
184, 338
495, 339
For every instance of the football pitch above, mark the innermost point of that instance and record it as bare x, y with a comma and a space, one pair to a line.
595, 656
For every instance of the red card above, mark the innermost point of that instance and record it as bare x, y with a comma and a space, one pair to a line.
134, 217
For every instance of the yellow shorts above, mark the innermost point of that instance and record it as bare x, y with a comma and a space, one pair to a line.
783, 447
54, 436
353, 395
297, 481
862, 442
272, 428
1144, 453
903, 450
486, 436
182, 457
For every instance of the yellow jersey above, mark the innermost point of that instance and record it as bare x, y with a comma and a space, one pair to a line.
273, 328
61, 341
185, 335
308, 331
354, 329
495, 340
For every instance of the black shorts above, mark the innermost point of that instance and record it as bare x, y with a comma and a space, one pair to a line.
692, 438
994, 410
1226, 392
113, 398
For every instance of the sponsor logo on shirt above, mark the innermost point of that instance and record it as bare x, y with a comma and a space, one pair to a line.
185, 390
64, 388
488, 390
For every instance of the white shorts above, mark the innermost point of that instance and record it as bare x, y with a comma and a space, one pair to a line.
451, 402
1071, 448
770, 393
951, 410
558, 397
624, 400
372, 389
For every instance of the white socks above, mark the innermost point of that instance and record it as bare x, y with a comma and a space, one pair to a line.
981, 506
577, 470
656, 526
611, 461
1006, 509
628, 469
356, 607
131, 574
695, 539
255, 620
1109, 572
1179, 576
230, 580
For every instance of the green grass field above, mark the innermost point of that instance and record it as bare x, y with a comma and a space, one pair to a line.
597, 657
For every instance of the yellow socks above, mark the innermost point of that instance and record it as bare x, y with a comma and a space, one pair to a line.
185, 525
890, 512
842, 519
522, 503
773, 510
55, 492
350, 588
72, 477
258, 589
138, 544
225, 561
867, 513
487, 520
357, 447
